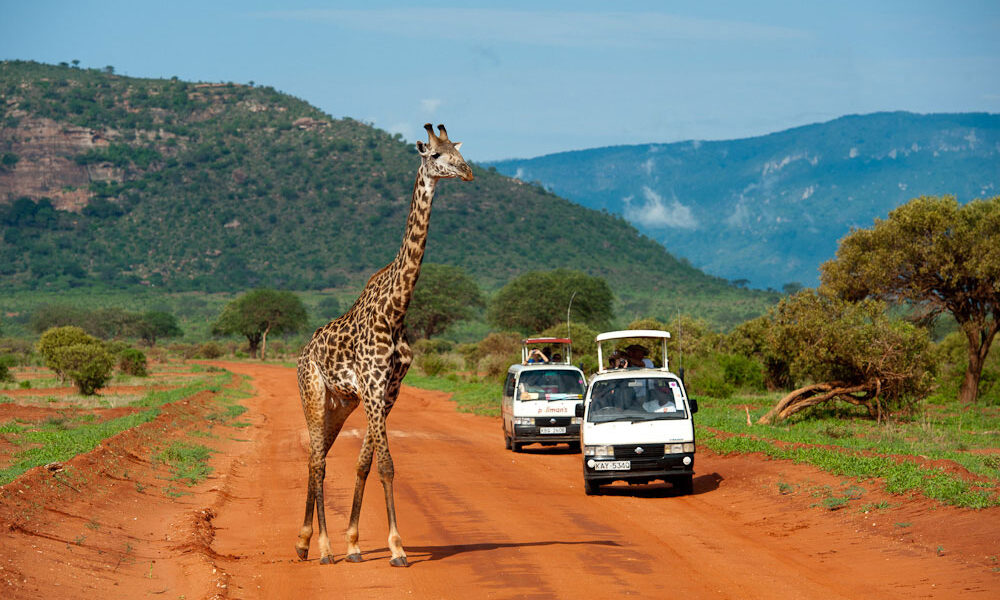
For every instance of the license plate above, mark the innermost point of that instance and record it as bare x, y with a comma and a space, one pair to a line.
613, 465
551, 430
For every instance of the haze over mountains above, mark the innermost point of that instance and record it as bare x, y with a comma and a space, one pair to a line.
770, 209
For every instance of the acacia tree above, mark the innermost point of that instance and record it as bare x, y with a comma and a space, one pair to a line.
258, 313
444, 294
156, 324
936, 256
851, 351
539, 299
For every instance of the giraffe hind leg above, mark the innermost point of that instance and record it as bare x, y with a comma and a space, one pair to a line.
324, 425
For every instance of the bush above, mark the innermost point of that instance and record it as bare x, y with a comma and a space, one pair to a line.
6, 362
741, 372
208, 350
432, 364
429, 346
89, 365
494, 367
60, 337
132, 362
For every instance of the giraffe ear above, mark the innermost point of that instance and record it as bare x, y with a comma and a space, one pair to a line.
422, 148
458, 145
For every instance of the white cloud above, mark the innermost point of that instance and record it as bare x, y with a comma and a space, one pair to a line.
740, 216
430, 105
647, 166
656, 212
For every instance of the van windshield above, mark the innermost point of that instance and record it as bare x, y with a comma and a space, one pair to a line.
636, 399
550, 384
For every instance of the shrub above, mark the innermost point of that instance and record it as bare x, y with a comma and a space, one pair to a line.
741, 372
60, 337
89, 365
6, 362
208, 350
494, 366
429, 346
132, 362
432, 364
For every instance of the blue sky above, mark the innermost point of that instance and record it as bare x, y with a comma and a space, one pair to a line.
522, 79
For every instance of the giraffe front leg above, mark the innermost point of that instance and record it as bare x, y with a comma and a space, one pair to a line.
386, 473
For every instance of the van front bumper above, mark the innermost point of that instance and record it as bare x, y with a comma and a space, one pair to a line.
647, 468
528, 434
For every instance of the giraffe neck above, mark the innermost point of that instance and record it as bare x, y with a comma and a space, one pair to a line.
406, 265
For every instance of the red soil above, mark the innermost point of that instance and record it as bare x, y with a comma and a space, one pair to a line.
476, 520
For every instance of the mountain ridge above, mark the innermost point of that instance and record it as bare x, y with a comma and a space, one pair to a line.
777, 203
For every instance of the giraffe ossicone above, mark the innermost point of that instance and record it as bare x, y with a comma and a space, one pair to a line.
361, 358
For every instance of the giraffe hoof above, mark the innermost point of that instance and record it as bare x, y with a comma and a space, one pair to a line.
353, 558
303, 553
399, 561
326, 560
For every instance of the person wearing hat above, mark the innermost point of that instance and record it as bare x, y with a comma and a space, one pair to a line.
638, 356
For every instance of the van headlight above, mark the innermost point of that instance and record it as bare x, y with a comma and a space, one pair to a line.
575, 420
524, 420
599, 451
686, 447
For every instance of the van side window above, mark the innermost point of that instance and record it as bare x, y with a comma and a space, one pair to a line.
508, 386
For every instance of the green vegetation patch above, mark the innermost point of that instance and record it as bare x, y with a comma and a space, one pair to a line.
188, 462
58, 440
899, 476
477, 397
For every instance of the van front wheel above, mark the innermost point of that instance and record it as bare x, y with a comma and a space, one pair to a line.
591, 488
506, 441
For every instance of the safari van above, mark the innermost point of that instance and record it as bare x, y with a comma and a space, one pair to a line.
541, 394
637, 417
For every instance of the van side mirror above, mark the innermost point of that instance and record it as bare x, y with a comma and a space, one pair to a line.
579, 409
694, 404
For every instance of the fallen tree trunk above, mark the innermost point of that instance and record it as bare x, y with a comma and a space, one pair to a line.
818, 393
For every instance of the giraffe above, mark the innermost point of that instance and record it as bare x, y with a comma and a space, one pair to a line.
361, 358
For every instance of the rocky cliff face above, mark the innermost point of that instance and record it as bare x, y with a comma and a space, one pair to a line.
46, 165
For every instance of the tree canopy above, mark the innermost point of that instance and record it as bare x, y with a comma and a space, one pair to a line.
444, 294
258, 313
935, 256
537, 300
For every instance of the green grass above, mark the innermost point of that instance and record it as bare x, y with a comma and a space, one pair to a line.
477, 397
58, 440
188, 462
899, 477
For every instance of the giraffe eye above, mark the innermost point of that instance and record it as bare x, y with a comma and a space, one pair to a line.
436, 155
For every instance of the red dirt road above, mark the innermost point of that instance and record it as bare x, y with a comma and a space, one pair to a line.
477, 521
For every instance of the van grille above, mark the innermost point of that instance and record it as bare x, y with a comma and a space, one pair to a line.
628, 451
553, 421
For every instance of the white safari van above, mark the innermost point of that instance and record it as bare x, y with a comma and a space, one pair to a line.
637, 418
540, 396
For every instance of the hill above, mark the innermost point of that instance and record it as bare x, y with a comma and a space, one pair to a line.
173, 185
770, 209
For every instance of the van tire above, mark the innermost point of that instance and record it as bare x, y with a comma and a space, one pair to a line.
516, 446
506, 441
574, 446
684, 485
591, 488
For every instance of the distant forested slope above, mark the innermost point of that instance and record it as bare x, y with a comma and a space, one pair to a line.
117, 181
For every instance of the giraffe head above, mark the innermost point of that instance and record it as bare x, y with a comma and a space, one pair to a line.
441, 157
